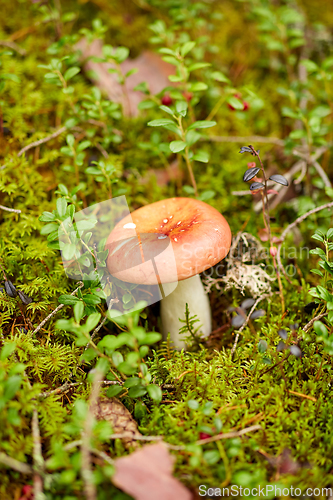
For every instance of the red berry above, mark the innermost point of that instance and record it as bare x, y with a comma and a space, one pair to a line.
26, 489
188, 95
246, 105
166, 100
204, 435
273, 251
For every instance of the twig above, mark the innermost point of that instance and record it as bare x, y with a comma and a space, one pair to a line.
54, 312
13, 46
68, 385
59, 390
86, 471
97, 329
316, 318
246, 322
228, 435
42, 141
246, 140
291, 226
15, 464
102, 150
16, 211
39, 465
302, 395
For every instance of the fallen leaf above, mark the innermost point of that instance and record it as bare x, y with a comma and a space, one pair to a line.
122, 422
146, 474
151, 69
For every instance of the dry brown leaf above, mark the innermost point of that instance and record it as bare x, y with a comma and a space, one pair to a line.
146, 474
122, 422
151, 69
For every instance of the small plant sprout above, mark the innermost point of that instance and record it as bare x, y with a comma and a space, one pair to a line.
261, 186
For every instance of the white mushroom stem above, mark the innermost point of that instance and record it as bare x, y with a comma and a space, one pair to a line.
190, 291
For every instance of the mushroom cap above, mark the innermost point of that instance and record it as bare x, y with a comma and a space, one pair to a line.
167, 241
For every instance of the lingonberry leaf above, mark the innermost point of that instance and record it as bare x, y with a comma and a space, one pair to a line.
245, 149
24, 298
250, 173
279, 179
256, 185
10, 289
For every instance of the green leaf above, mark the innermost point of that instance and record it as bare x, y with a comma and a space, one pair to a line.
70, 139
68, 251
193, 404
202, 124
211, 457
49, 228
176, 146
235, 103
197, 87
320, 111
92, 321
91, 299
166, 109
7, 350
47, 217
155, 392
309, 65
186, 48
262, 346
181, 107
220, 77
160, 123
71, 72
175, 78
61, 206
137, 391
198, 65
78, 311
201, 156
131, 382
320, 329
114, 390
165, 50
329, 233
68, 300
151, 338
317, 237
10, 76
207, 195
316, 271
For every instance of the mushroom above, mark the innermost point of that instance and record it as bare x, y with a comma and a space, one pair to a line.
169, 243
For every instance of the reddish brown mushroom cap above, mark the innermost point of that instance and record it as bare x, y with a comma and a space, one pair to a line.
182, 236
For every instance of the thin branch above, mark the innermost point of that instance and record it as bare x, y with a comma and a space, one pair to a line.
15, 464
54, 312
322, 174
239, 331
229, 435
246, 140
316, 318
291, 226
13, 46
39, 465
89, 486
67, 385
42, 141
16, 211
59, 390
97, 329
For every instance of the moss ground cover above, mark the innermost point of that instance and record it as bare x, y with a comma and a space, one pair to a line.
240, 73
